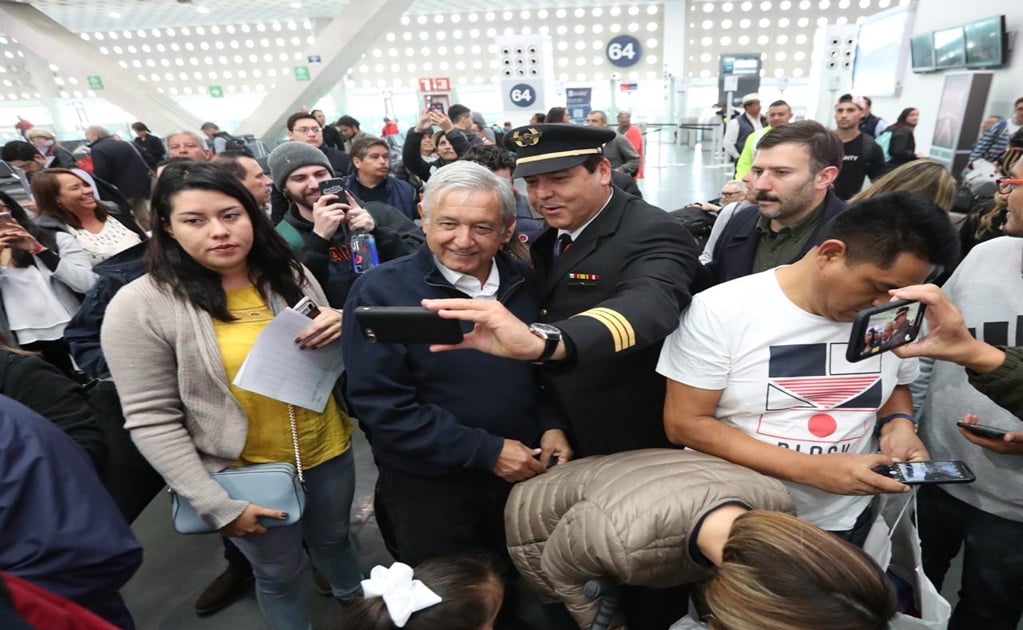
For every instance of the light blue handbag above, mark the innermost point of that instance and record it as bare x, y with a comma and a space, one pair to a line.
277, 486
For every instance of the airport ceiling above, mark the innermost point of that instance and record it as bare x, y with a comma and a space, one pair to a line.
104, 15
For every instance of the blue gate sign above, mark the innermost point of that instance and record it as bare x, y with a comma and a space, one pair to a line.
522, 95
624, 51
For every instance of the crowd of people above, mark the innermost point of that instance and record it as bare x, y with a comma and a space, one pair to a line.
658, 399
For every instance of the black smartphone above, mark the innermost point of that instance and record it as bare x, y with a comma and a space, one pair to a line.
437, 106
876, 330
912, 473
334, 186
407, 324
983, 431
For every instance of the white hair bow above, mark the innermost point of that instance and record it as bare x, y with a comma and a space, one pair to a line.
402, 595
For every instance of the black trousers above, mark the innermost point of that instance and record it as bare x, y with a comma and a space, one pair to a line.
450, 515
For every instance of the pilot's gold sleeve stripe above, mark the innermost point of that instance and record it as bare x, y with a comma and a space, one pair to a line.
628, 330
559, 154
617, 334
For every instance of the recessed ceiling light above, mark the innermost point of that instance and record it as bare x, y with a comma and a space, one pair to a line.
114, 14
296, 5
202, 10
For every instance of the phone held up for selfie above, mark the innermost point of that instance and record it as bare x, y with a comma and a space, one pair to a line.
362, 245
307, 307
406, 324
879, 329
914, 473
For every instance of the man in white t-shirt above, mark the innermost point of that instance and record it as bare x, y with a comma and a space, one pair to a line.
757, 372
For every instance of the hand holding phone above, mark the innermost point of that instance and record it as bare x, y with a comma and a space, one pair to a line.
915, 473
879, 329
330, 209
983, 431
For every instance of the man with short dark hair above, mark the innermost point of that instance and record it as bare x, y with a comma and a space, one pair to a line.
862, 158
249, 172
757, 370
216, 137
304, 127
461, 120
318, 227
792, 173
371, 180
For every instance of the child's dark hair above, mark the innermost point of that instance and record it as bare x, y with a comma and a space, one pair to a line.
467, 587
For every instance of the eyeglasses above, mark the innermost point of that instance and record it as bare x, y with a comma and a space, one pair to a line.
1007, 184
731, 193
307, 130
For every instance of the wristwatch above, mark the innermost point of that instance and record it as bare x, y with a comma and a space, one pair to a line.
551, 336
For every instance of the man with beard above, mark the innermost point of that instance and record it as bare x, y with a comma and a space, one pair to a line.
792, 174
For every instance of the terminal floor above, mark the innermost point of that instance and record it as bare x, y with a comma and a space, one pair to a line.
177, 568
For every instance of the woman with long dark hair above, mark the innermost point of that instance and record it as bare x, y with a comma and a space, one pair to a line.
41, 277
175, 340
67, 202
902, 148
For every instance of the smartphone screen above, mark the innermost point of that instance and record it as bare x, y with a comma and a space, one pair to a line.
877, 330
5, 217
437, 106
912, 473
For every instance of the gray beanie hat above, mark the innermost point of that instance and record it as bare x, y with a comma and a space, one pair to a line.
291, 155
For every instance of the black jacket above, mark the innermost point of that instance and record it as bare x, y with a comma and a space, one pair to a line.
902, 148
431, 413
413, 160
47, 391
330, 261
736, 248
82, 332
615, 294
120, 164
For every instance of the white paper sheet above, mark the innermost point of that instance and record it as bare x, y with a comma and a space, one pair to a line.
277, 368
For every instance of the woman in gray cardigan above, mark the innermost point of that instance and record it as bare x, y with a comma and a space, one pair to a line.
175, 339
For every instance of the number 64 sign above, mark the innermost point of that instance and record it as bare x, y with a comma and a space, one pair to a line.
624, 51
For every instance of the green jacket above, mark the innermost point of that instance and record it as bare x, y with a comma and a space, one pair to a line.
1004, 385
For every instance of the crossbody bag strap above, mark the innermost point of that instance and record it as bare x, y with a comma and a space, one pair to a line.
294, 441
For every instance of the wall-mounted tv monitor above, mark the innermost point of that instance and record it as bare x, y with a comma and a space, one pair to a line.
949, 49
882, 51
921, 49
985, 42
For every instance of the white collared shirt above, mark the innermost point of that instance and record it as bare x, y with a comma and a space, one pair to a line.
470, 285
575, 234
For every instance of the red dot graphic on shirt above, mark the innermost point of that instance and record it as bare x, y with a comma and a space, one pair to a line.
821, 425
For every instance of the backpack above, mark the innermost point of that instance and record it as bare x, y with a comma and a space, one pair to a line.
697, 221
884, 140
233, 143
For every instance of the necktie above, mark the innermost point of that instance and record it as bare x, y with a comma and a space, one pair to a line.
564, 242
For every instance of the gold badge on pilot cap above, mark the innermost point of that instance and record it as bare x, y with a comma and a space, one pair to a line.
525, 138
555, 147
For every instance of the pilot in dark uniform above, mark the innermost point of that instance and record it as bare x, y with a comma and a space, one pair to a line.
613, 275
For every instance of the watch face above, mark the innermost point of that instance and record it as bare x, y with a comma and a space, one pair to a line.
546, 330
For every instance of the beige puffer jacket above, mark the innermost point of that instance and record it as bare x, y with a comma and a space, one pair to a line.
627, 516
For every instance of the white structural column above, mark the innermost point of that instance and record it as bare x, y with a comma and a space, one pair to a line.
340, 45
59, 46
